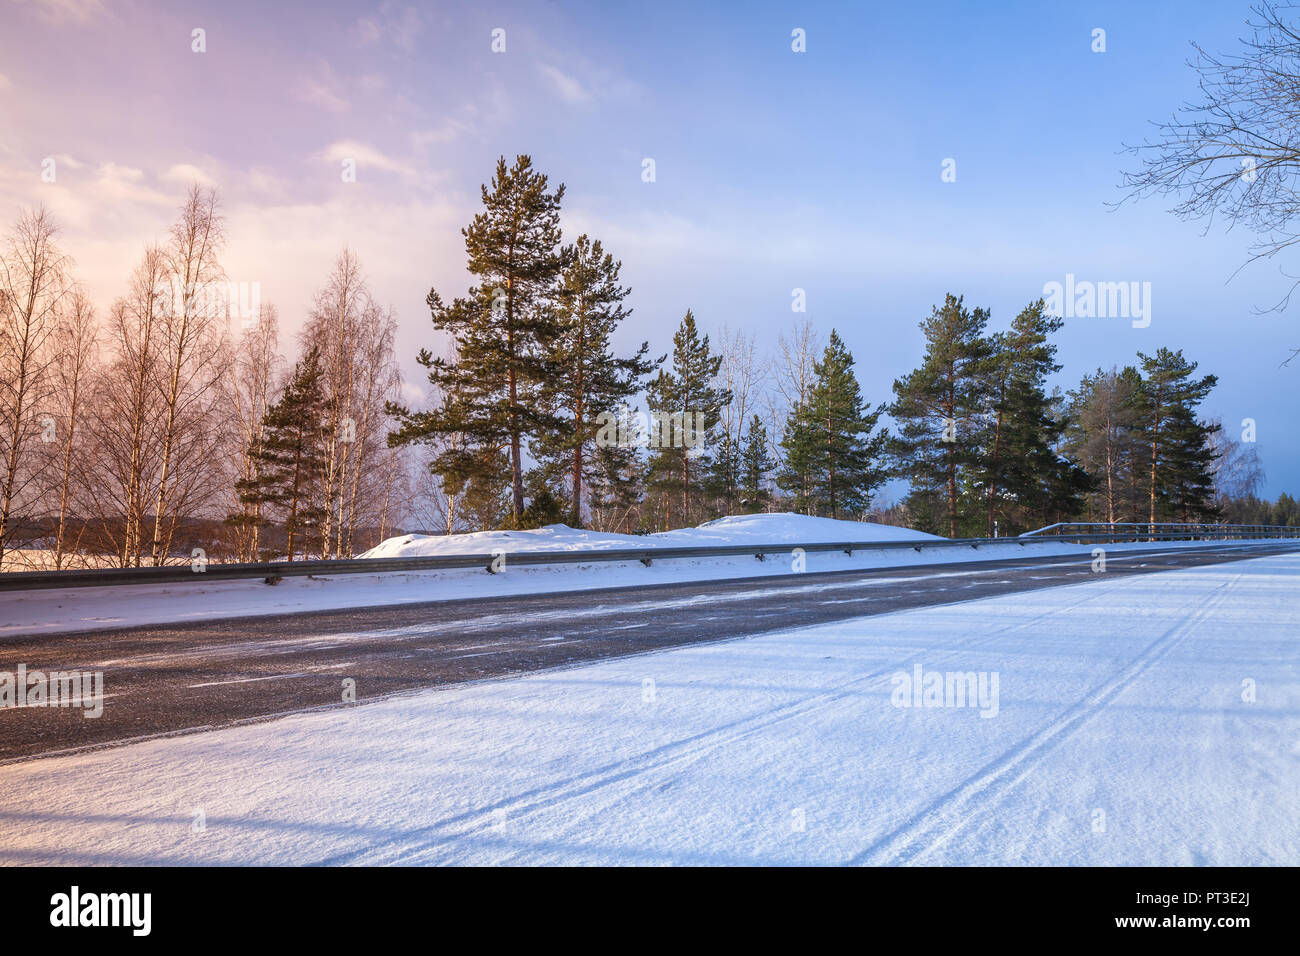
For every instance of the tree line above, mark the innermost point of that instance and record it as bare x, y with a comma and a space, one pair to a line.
519, 434
163, 428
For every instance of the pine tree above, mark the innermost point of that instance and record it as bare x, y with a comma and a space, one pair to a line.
829, 439
588, 381
1023, 474
493, 385
545, 506
722, 483
1017, 466
1180, 462
756, 464
940, 408
685, 408
616, 485
1051, 486
289, 456
1285, 511
1135, 500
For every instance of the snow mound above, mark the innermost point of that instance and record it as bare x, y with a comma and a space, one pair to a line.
552, 537
786, 528
783, 528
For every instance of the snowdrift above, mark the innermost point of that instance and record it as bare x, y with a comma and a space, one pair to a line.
783, 528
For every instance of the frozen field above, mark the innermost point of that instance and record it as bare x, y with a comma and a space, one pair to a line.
1151, 719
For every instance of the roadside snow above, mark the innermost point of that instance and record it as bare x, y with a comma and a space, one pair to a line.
1124, 735
737, 529
62, 610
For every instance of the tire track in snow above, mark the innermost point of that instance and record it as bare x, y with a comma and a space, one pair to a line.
945, 817
677, 753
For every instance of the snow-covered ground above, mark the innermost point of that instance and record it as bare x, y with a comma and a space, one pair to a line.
59, 610
783, 528
1149, 719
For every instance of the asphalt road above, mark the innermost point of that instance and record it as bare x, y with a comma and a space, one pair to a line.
167, 679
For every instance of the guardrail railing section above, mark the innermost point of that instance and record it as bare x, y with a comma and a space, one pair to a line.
273, 571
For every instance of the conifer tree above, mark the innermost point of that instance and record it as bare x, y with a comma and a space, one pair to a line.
685, 408
1045, 482
940, 408
1134, 487
493, 384
829, 440
1019, 474
1019, 362
587, 380
289, 455
1285, 511
756, 464
1180, 459
616, 483
722, 484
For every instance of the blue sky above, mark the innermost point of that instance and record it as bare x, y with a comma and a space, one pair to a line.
774, 170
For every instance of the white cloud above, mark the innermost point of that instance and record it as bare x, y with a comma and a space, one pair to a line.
267, 182
407, 240
414, 394
366, 157
569, 88
125, 184
405, 246
186, 174
397, 24
5, 83
321, 94
449, 130
68, 11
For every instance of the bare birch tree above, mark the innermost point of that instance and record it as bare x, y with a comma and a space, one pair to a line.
251, 386
355, 336
124, 415
1233, 153
33, 284
792, 378
741, 373
193, 357
78, 352
1238, 470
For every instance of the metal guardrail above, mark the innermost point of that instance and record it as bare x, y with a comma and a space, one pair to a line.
272, 571
1145, 529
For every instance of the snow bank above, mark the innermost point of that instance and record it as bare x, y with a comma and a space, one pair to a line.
786, 528
782, 528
